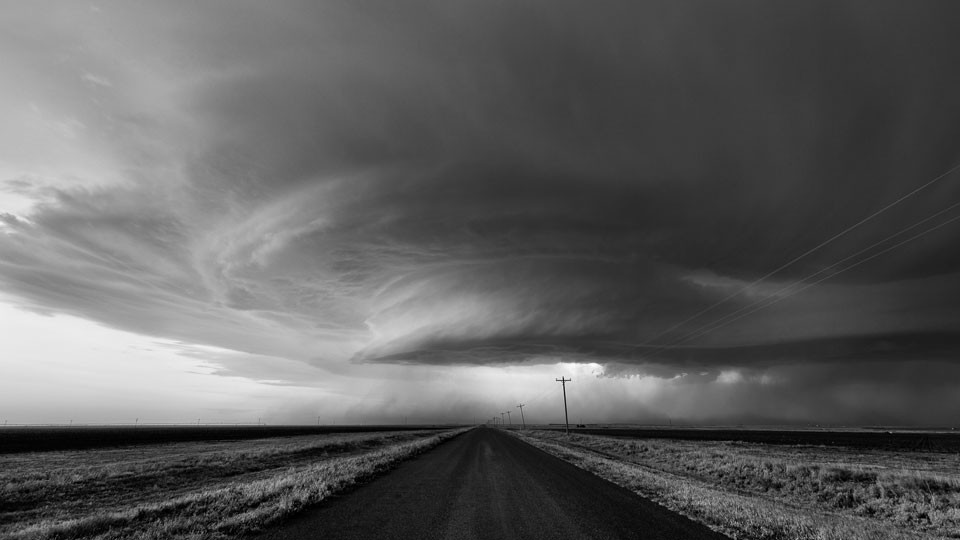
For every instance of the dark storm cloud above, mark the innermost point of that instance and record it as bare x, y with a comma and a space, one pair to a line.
725, 138
474, 183
657, 361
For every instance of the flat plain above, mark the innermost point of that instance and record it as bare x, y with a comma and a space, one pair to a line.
46, 438
195, 489
770, 484
230, 482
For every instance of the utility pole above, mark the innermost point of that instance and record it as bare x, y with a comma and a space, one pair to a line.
508, 418
520, 406
566, 418
501, 418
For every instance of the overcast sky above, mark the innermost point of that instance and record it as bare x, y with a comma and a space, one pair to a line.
366, 211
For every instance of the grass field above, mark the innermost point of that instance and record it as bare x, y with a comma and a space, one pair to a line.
27, 438
764, 491
194, 490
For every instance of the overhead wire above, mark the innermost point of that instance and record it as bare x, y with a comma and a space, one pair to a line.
811, 284
803, 255
781, 291
543, 394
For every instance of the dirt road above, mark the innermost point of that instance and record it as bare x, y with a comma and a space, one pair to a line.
486, 484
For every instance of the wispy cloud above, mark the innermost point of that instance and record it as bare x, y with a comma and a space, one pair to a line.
458, 184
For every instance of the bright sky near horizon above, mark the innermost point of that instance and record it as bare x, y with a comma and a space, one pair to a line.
370, 212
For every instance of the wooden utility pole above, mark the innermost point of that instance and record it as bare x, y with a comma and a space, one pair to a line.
566, 419
508, 418
522, 420
501, 418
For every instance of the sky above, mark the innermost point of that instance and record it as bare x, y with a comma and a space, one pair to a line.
427, 211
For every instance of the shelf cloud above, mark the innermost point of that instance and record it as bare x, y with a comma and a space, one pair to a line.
347, 185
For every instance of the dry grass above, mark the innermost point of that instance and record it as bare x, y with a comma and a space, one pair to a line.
211, 490
754, 491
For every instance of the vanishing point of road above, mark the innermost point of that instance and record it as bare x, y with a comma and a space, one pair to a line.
486, 484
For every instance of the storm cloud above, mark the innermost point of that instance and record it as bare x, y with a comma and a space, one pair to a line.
348, 184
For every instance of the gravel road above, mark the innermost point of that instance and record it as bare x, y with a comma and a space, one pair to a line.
486, 484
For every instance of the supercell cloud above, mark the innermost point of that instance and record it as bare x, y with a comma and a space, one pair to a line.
370, 189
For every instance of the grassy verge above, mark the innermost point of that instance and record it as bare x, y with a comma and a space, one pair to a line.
755, 491
189, 490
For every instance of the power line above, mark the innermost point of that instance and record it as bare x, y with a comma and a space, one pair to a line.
854, 265
706, 328
802, 255
542, 395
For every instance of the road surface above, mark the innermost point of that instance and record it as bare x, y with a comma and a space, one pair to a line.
486, 484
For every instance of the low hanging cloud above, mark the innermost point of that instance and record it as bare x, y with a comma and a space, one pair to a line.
458, 183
